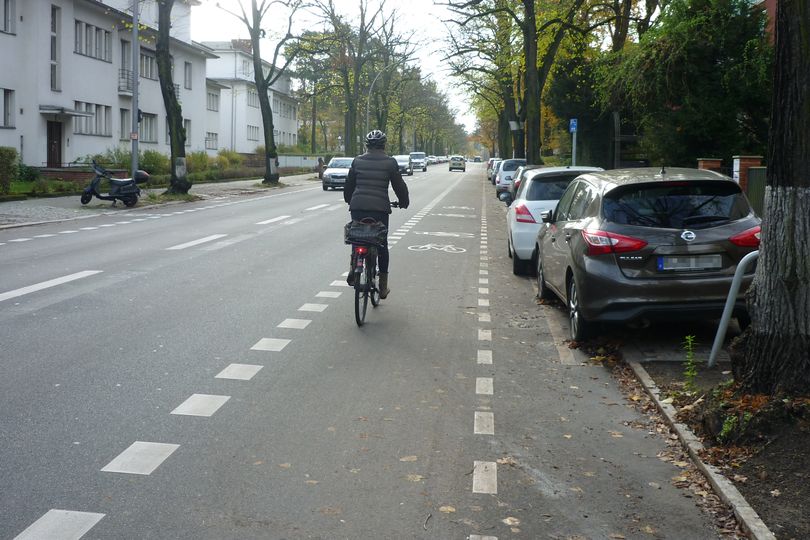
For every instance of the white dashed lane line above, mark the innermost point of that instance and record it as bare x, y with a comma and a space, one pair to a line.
270, 344
141, 458
297, 324
485, 477
197, 242
272, 220
328, 294
201, 405
484, 423
47, 284
239, 372
314, 307
484, 386
316, 207
483, 302
61, 524
484, 335
484, 357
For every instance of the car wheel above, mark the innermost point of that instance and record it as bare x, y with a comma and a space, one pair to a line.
579, 328
542, 289
508, 247
325, 188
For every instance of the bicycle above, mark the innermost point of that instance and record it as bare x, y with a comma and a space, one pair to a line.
366, 237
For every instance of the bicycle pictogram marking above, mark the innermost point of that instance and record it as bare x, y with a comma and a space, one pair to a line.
447, 248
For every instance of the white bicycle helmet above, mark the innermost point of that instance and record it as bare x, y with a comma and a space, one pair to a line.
376, 139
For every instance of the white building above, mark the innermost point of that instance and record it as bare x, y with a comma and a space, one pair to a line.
240, 115
66, 79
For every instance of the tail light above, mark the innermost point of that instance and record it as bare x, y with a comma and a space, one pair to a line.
749, 238
517, 184
523, 215
360, 250
497, 178
602, 242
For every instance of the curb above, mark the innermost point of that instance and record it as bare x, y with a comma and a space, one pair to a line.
751, 523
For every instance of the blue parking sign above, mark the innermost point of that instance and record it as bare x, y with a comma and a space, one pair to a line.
572, 125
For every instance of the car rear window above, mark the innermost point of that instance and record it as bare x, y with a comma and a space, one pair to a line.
418, 155
676, 205
548, 188
512, 164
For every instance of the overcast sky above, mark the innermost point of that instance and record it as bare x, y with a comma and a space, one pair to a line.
210, 23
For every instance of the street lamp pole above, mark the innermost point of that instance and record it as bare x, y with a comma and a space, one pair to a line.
371, 89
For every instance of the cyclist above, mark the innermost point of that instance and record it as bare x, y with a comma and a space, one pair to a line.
366, 191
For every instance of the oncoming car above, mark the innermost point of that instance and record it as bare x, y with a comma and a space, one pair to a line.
638, 245
335, 174
405, 165
419, 161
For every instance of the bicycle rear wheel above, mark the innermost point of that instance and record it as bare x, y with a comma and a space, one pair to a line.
374, 291
361, 294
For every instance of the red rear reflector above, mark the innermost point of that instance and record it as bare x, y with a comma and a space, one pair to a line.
523, 215
361, 250
749, 238
602, 242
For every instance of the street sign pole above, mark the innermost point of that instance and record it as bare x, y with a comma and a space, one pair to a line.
572, 127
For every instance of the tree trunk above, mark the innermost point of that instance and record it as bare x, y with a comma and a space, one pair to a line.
314, 144
179, 183
773, 354
533, 88
271, 175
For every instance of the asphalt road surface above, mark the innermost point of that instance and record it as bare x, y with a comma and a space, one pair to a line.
195, 372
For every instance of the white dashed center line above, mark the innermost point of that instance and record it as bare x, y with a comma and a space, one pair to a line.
201, 405
485, 477
273, 220
484, 386
47, 284
197, 242
313, 307
62, 524
270, 344
484, 357
484, 423
239, 372
141, 458
297, 324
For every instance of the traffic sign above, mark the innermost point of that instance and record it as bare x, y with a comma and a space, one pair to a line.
572, 125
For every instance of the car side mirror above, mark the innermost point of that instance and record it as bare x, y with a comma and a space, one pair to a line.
506, 198
547, 216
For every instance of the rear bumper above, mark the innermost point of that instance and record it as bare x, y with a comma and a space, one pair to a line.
524, 238
334, 183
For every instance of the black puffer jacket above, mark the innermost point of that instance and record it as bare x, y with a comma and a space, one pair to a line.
367, 183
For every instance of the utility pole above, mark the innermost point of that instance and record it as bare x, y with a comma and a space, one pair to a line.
136, 60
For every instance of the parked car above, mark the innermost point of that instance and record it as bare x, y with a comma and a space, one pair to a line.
419, 161
490, 162
457, 162
539, 191
477, 159
405, 164
335, 174
495, 166
520, 173
503, 178
636, 245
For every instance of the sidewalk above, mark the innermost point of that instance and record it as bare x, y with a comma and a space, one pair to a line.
52, 209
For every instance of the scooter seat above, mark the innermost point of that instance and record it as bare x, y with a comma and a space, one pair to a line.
120, 181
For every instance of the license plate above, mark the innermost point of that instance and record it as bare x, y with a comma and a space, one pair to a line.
691, 262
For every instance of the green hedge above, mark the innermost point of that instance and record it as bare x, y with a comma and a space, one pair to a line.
8, 168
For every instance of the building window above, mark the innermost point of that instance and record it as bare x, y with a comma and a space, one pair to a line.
126, 124
148, 66
99, 121
212, 102
252, 98
7, 110
246, 67
92, 41
187, 75
148, 128
275, 105
253, 133
7, 16
211, 140
56, 24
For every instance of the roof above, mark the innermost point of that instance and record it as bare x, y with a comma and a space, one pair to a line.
620, 177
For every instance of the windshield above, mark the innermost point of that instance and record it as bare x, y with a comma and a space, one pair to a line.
548, 188
402, 159
341, 163
417, 155
676, 205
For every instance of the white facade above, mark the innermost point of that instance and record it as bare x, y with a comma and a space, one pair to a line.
240, 115
65, 79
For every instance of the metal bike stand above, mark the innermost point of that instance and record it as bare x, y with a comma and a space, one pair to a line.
730, 301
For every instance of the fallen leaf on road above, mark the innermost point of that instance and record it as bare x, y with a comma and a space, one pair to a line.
508, 460
589, 473
618, 536
284, 465
636, 397
414, 478
408, 458
740, 478
447, 509
260, 462
680, 479
576, 489
311, 482
331, 510
574, 387
511, 521
655, 485
615, 434
668, 400
681, 464
775, 493
649, 530
567, 436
